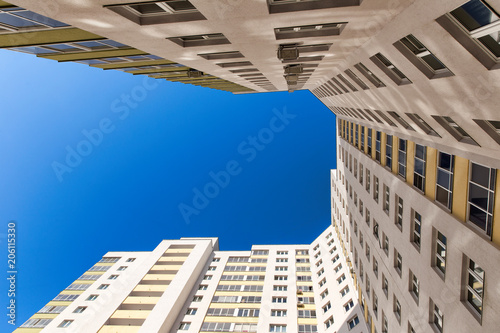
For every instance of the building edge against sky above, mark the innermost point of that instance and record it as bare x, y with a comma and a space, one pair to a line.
188, 285
415, 198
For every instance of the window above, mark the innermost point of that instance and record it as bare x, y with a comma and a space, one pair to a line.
422, 124
200, 40
389, 69
385, 324
80, 309
388, 152
400, 120
324, 294
65, 323
481, 196
367, 251
220, 312
341, 279
122, 268
399, 213
191, 311
223, 327
52, 309
369, 142
197, 298
369, 75
281, 268
353, 322
475, 287
327, 307
203, 287
320, 272
422, 58
455, 130
92, 297
375, 188
113, 277
212, 268
216, 260
279, 288
397, 309
385, 244
378, 138
314, 30
385, 285
103, 286
416, 229
207, 277
277, 328
361, 173
414, 286
278, 313
475, 25
375, 304
437, 317
307, 314
358, 81
248, 312
280, 277
440, 254
282, 253
329, 322
184, 326
398, 262
19, 19
444, 181
282, 260
279, 299
349, 305
419, 173
344, 291
322, 282
402, 158
368, 181
375, 267
158, 12
387, 199
130, 259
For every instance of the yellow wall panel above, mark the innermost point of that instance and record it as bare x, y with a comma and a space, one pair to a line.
431, 173
460, 188
395, 157
307, 321
235, 305
131, 314
383, 148
366, 140
44, 315
53, 36
374, 140
237, 293
28, 330
119, 329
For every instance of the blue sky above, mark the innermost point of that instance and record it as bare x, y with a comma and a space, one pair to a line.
96, 161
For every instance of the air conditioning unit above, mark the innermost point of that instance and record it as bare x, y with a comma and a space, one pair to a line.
288, 52
294, 69
194, 73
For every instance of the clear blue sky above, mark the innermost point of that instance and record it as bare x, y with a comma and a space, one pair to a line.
156, 145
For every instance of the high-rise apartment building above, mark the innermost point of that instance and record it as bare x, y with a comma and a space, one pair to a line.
414, 86
188, 285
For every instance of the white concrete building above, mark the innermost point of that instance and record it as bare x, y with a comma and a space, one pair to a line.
188, 285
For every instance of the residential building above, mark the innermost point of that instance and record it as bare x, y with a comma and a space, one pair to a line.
188, 285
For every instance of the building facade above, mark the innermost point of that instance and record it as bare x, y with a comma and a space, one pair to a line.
188, 285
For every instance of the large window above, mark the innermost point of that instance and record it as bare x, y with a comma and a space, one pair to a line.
369, 141
399, 213
416, 235
444, 182
377, 145
437, 317
475, 286
362, 138
440, 252
156, 12
389, 69
402, 158
387, 199
419, 172
481, 196
388, 152
422, 58
314, 30
14, 19
475, 25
